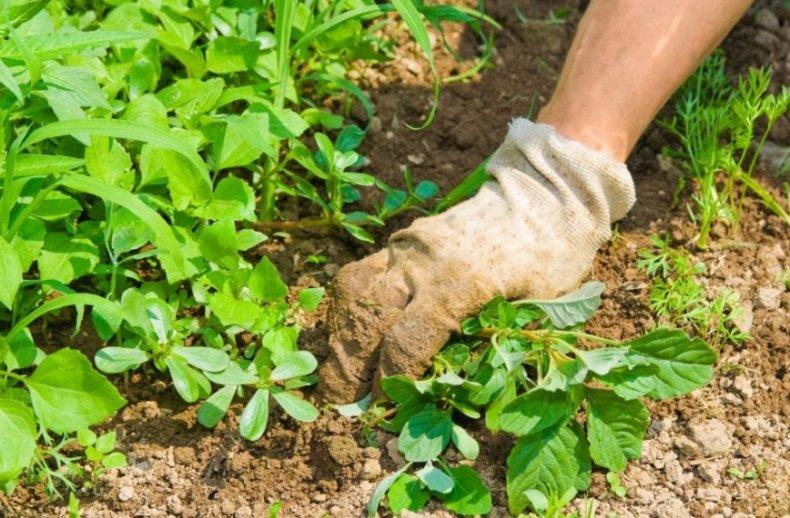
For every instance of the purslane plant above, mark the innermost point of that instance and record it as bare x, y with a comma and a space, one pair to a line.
572, 400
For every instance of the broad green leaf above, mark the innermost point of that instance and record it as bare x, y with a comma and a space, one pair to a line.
425, 436
299, 363
65, 257
435, 479
265, 282
114, 460
228, 54
684, 364
10, 274
601, 361
295, 406
234, 312
239, 140
189, 383
29, 241
114, 360
203, 358
86, 437
465, 443
615, 428
218, 243
107, 160
631, 383
7, 80
105, 443
469, 496
215, 407
494, 411
574, 307
18, 435
280, 342
22, 351
550, 461
381, 490
233, 374
67, 403
310, 298
407, 493
233, 199
564, 374
538, 410
255, 416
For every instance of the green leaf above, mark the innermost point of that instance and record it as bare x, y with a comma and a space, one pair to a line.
71, 299
114, 460
228, 54
233, 312
29, 164
494, 411
574, 307
601, 361
684, 364
86, 437
10, 274
165, 239
65, 257
465, 443
255, 416
7, 80
18, 435
355, 409
66, 43
105, 443
538, 410
299, 363
469, 496
310, 298
425, 436
381, 490
435, 479
114, 360
203, 358
550, 462
240, 140
426, 189
188, 382
215, 407
74, 402
407, 493
233, 199
631, 383
615, 428
295, 406
218, 243
265, 283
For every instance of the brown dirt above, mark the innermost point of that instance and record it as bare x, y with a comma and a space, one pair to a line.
178, 468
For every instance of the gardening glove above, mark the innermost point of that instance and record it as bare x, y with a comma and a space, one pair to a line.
533, 232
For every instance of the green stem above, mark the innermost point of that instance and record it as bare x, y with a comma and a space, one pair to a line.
302, 224
543, 335
11, 375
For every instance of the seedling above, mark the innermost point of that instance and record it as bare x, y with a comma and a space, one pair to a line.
527, 368
751, 474
719, 144
677, 296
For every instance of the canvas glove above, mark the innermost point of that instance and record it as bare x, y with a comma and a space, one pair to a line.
531, 233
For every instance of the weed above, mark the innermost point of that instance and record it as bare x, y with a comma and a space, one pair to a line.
528, 369
678, 296
715, 124
751, 474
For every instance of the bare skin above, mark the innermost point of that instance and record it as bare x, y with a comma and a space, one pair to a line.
392, 311
626, 59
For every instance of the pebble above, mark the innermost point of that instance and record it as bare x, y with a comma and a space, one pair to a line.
687, 447
768, 298
712, 436
676, 475
126, 493
767, 19
174, 504
244, 511
710, 473
743, 386
644, 496
371, 469
709, 494
766, 39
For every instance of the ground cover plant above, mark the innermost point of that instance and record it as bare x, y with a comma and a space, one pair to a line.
721, 130
144, 148
527, 368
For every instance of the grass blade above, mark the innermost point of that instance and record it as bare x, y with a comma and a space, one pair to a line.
284, 15
53, 46
71, 299
360, 12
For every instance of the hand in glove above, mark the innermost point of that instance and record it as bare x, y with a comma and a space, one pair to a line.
531, 233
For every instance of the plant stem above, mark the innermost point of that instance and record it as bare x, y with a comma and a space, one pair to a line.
301, 224
542, 335
11, 375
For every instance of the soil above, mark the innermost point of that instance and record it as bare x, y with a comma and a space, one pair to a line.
326, 468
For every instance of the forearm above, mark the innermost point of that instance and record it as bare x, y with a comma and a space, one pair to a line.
626, 60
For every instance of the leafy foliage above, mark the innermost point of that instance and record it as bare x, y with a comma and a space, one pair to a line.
528, 369
716, 124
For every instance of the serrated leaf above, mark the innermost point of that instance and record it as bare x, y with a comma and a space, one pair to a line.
425, 436
66, 404
538, 410
684, 364
255, 416
469, 496
615, 428
550, 462
574, 307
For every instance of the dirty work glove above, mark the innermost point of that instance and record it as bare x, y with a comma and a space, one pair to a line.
531, 233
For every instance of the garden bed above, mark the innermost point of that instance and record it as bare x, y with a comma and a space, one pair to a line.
739, 421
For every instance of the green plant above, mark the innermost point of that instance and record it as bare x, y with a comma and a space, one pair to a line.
677, 295
719, 144
140, 145
570, 398
751, 474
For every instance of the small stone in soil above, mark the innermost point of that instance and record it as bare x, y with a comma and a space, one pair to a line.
768, 298
126, 493
743, 386
712, 436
